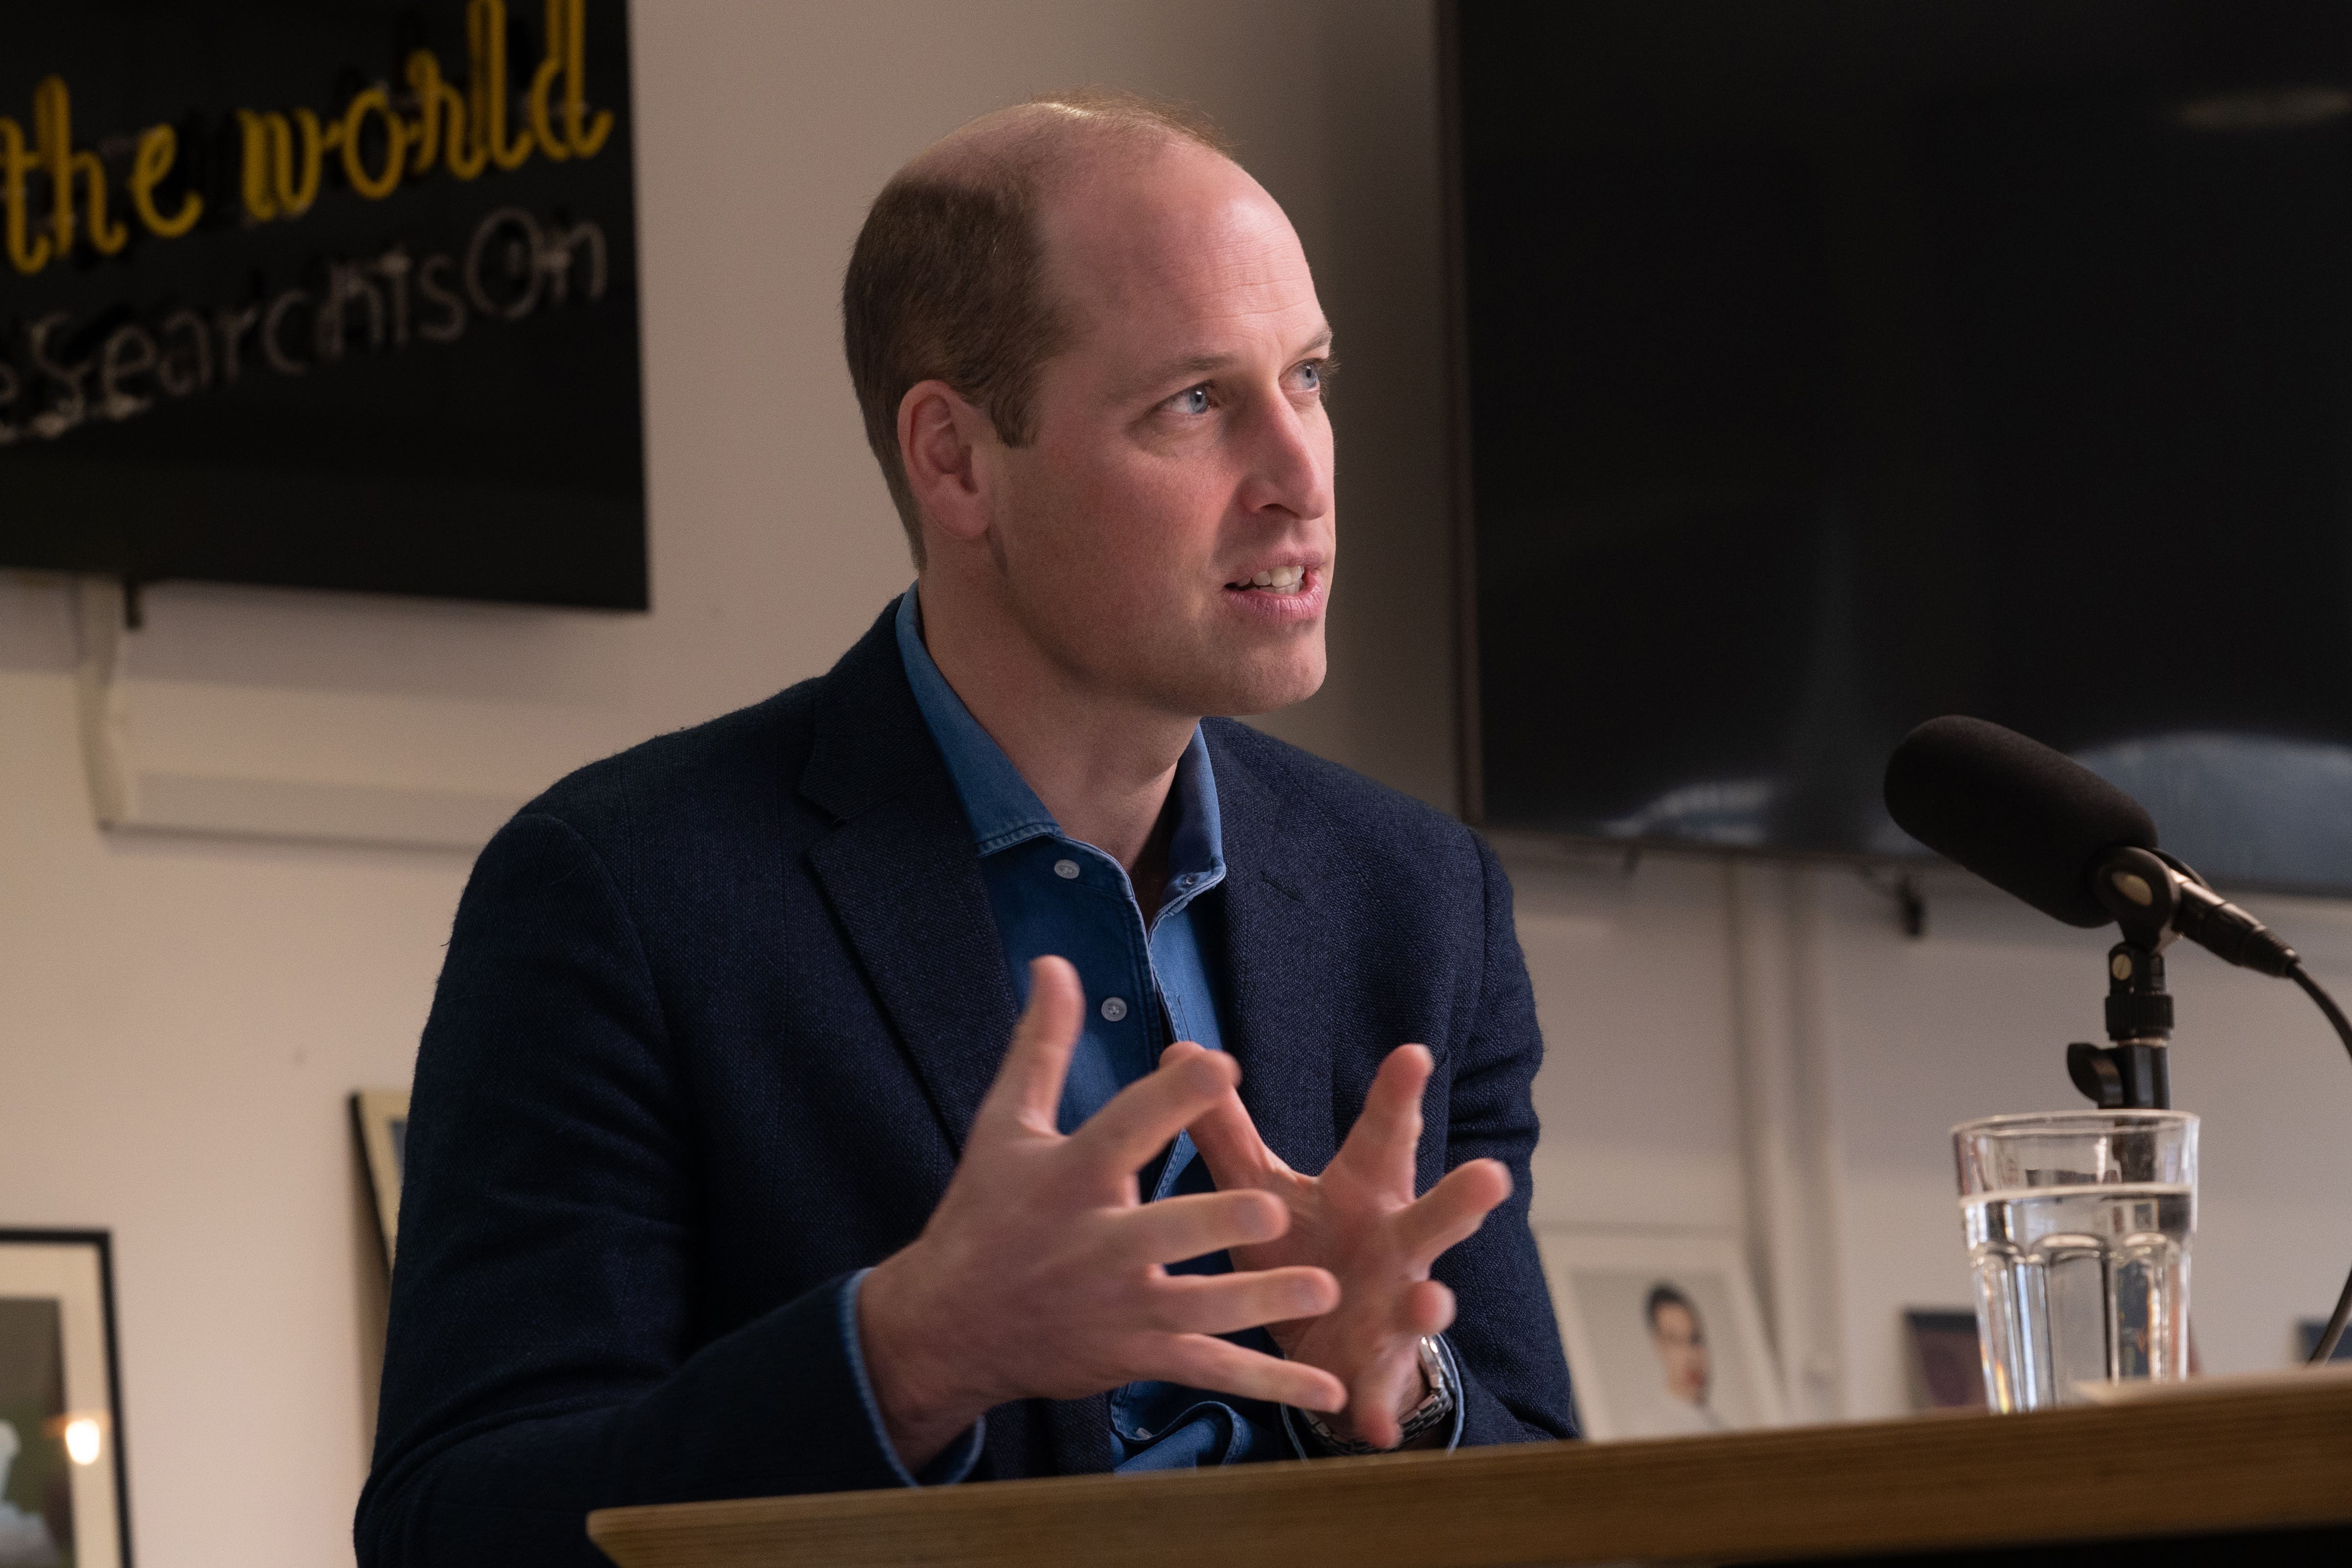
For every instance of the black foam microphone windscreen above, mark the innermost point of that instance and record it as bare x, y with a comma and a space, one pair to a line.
2028, 820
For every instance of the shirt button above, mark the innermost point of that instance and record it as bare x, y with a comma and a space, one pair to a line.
1113, 1009
1066, 869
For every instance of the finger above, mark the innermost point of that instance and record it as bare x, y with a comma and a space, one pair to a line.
1224, 1134
1228, 1303
1197, 1360
1028, 1084
1392, 1383
1176, 1228
1451, 1211
1381, 1143
1143, 1117
1425, 1308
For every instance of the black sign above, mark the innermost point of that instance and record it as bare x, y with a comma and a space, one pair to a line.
323, 295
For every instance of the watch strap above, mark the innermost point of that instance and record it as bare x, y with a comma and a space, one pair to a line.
1436, 1406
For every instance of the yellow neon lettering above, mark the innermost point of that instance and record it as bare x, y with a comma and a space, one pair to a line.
556, 146
255, 182
439, 128
485, 37
53, 126
159, 145
271, 187
295, 193
585, 143
28, 251
375, 187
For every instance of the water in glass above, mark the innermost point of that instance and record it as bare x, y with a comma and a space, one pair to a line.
2078, 1227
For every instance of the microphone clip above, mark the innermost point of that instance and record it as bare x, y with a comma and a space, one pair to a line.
2134, 1072
2142, 889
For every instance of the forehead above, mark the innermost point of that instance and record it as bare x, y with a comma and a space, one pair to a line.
1174, 251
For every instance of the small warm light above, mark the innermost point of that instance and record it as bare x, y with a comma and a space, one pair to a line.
81, 1440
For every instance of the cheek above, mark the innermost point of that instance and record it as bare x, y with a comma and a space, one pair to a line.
1141, 527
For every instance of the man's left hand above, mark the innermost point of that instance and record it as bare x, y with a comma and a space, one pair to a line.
1360, 1220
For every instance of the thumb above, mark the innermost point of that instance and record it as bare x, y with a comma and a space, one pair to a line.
1224, 1134
1028, 1086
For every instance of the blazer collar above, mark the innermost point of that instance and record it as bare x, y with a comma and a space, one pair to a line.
903, 879
902, 875
1279, 950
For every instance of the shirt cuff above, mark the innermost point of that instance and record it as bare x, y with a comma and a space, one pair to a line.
1307, 1445
955, 1462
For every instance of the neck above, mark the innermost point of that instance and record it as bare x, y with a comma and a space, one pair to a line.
1100, 763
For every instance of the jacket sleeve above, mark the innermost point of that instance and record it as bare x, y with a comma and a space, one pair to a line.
538, 1363
1505, 1339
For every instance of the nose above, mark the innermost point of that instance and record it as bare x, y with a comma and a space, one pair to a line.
1288, 470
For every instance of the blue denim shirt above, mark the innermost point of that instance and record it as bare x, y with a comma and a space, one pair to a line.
1148, 982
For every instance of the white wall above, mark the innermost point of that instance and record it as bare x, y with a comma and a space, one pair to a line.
179, 1020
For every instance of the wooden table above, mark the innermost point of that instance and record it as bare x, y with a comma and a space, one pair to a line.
2228, 1455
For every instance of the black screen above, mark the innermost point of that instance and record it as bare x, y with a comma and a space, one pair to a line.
387, 375
1834, 366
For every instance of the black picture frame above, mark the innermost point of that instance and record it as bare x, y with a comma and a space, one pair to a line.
72, 1272
380, 1121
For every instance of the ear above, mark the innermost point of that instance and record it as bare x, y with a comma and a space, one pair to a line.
944, 441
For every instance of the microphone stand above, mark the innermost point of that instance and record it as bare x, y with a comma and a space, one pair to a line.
2153, 897
2134, 1072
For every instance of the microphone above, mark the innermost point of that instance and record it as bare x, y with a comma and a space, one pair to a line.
2035, 823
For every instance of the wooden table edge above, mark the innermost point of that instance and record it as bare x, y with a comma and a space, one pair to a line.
2229, 1460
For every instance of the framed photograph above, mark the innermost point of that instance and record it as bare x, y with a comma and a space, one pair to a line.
381, 1118
1947, 1370
64, 1491
1663, 1335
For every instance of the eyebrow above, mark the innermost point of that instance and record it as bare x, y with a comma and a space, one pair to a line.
1196, 366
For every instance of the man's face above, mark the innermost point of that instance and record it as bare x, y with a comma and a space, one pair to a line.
1682, 1353
1167, 534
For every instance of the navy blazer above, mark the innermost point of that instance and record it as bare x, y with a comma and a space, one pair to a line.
715, 1018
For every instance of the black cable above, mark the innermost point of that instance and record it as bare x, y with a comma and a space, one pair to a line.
2325, 1348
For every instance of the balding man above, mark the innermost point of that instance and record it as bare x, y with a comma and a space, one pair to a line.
988, 1059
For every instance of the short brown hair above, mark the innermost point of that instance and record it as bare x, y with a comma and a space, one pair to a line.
947, 281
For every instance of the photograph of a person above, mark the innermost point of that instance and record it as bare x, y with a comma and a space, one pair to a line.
1678, 1337
1663, 1335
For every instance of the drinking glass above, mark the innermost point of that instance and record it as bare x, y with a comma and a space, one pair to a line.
2078, 1226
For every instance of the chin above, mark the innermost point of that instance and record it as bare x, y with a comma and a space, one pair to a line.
1265, 687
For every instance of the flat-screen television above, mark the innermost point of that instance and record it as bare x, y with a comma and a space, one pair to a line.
1829, 366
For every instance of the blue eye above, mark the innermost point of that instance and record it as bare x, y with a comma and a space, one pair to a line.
1192, 400
1312, 373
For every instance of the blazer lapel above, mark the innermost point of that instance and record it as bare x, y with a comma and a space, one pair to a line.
903, 879
1278, 952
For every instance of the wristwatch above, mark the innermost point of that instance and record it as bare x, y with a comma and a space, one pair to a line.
1435, 1406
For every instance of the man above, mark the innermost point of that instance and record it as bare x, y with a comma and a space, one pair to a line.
723, 1179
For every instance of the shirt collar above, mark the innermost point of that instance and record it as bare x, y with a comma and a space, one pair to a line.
1004, 810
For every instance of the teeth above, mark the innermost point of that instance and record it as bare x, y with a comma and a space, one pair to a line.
1282, 578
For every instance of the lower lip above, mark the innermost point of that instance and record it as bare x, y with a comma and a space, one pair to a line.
1293, 609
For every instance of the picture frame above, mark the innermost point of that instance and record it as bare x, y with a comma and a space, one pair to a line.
1663, 1332
1942, 1357
2306, 1340
379, 1118
65, 1494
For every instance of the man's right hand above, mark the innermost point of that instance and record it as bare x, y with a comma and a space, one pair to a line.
1040, 1274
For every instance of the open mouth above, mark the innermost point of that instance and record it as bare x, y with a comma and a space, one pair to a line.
1278, 581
